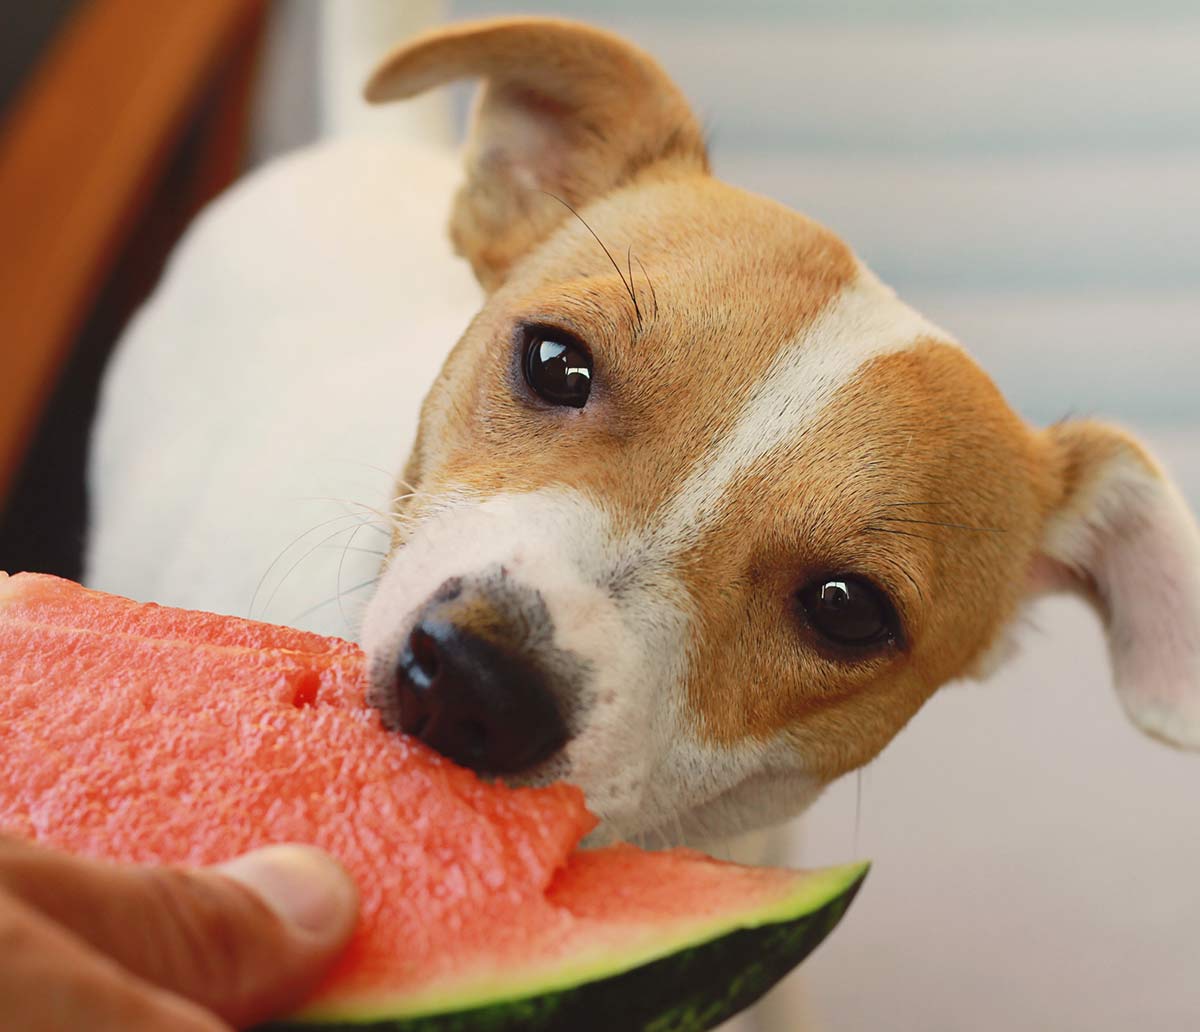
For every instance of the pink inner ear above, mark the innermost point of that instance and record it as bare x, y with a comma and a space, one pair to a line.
1151, 582
1048, 576
520, 136
1137, 544
537, 104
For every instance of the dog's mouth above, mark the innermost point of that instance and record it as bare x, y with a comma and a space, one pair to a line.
477, 675
538, 750
497, 637
634, 794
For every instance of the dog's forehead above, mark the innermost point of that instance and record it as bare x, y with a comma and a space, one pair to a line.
718, 293
750, 321
709, 251
809, 373
756, 338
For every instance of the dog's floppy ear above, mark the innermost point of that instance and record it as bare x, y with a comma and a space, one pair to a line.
1122, 535
565, 109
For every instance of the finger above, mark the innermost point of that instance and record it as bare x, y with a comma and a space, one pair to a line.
247, 940
50, 981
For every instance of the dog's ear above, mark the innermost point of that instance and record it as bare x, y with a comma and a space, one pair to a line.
565, 110
1121, 535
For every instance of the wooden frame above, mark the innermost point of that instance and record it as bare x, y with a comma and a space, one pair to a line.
82, 153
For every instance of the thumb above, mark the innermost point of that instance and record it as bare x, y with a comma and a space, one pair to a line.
247, 940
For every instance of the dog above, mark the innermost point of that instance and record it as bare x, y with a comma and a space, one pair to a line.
697, 515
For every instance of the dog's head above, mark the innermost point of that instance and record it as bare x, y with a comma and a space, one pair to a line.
700, 514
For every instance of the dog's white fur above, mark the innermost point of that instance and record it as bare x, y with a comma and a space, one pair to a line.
272, 384
865, 322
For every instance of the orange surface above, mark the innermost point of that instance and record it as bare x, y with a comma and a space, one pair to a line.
80, 153
142, 733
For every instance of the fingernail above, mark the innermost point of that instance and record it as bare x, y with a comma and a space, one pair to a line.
304, 886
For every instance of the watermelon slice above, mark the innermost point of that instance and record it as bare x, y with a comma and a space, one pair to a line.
141, 733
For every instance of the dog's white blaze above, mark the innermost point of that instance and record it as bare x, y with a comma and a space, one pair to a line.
865, 321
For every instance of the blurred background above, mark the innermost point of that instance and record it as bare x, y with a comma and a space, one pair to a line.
1025, 173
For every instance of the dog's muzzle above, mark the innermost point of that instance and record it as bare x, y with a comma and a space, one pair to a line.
478, 679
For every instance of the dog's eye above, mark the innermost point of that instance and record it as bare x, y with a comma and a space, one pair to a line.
558, 368
848, 611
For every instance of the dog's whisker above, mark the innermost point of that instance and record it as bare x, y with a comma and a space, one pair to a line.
336, 598
857, 808
386, 517
383, 521
399, 479
404, 498
368, 525
356, 548
679, 833
292, 569
371, 466
337, 499
338, 580
413, 492
388, 522
350, 503
664, 839
287, 548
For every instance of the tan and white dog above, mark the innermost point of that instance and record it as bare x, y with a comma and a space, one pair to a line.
699, 514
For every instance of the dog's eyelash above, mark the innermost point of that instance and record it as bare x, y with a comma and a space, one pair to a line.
948, 524
881, 516
941, 523
887, 578
627, 283
916, 587
650, 284
872, 529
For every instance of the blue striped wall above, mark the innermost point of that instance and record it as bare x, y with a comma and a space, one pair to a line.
1026, 173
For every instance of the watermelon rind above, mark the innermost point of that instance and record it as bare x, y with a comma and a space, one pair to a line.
684, 982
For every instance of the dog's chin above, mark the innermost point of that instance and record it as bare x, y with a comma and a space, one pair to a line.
667, 834
691, 829
716, 825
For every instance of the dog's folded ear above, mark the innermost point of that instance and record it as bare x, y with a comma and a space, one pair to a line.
565, 110
1121, 535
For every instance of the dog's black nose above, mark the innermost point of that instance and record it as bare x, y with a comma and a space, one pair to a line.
474, 701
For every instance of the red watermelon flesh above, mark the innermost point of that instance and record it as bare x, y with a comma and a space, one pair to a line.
142, 733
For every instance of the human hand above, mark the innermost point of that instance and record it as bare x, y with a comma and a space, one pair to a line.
85, 944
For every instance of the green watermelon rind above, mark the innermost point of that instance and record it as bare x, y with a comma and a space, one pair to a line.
682, 983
